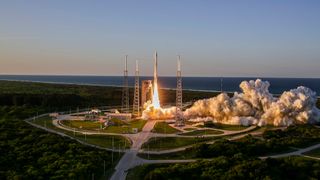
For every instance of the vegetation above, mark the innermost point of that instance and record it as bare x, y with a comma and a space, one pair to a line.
313, 153
274, 141
31, 153
235, 167
84, 125
56, 97
120, 127
164, 128
229, 127
202, 132
189, 129
164, 143
126, 128
106, 141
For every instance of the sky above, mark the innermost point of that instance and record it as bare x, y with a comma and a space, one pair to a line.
215, 38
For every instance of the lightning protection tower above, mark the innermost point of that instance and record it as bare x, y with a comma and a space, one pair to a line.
179, 116
136, 98
125, 89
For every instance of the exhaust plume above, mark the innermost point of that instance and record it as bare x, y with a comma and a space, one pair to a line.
255, 105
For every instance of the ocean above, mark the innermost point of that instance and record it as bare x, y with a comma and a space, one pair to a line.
228, 84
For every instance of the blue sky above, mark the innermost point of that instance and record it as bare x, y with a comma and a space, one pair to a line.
272, 38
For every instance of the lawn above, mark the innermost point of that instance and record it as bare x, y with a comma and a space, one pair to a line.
99, 140
120, 127
112, 142
165, 143
85, 125
189, 129
126, 128
201, 132
229, 127
164, 128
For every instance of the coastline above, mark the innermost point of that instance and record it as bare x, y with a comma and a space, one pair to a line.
117, 86
103, 85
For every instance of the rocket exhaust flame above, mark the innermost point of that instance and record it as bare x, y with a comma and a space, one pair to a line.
254, 105
152, 109
155, 96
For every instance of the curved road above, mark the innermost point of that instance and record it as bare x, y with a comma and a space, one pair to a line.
130, 158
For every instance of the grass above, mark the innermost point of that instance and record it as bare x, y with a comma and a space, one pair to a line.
229, 127
189, 129
120, 127
112, 142
126, 128
313, 153
107, 141
165, 143
201, 132
85, 125
164, 128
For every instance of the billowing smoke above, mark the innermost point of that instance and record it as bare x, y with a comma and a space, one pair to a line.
152, 112
255, 105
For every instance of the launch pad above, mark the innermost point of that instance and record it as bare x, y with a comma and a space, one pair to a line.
148, 100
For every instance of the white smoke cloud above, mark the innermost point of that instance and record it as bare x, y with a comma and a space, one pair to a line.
151, 112
255, 105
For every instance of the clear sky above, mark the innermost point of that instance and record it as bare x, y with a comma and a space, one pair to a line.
271, 38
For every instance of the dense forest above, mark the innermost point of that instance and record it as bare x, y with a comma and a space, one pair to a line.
31, 153
234, 167
63, 97
274, 141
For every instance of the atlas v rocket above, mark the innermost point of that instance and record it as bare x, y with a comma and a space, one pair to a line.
155, 72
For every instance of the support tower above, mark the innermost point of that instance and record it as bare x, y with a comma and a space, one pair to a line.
125, 89
179, 116
136, 98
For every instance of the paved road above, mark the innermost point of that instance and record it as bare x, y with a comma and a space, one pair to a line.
65, 135
295, 153
130, 159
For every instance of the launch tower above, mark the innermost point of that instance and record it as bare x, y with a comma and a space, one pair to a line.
125, 89
179, 116
136, 97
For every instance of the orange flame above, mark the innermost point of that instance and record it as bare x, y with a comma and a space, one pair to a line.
155, 97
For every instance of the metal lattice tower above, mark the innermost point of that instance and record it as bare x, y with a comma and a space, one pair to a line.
179, 116
136, 98
125, 89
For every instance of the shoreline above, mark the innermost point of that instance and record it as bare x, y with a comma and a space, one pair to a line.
103, 85
117, 86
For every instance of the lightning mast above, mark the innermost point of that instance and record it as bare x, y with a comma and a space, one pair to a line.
136, 98
125, 89
179, 116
